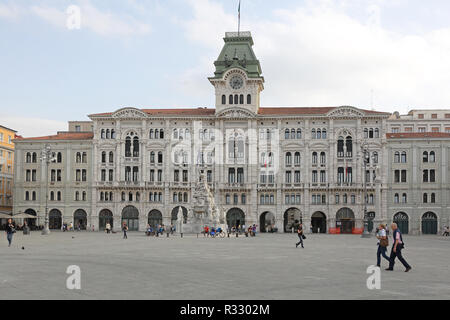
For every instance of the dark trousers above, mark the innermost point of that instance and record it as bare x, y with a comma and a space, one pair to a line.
9, 236
398, 255
381, 252
125, 235
301, 240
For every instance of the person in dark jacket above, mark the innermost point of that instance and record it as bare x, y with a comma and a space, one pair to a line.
397, 247
10, 230
300, 235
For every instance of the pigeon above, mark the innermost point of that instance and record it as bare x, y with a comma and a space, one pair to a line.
23, 248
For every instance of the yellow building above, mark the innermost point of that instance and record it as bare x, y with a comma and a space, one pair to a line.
6, 169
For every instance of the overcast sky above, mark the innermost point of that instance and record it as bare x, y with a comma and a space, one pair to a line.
393, 55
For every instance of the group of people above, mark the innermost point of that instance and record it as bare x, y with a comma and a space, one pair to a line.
396, 250
234, 230
446, 231
159, 230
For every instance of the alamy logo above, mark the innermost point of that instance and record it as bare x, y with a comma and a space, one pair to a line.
374, 280
73, 282
73, 17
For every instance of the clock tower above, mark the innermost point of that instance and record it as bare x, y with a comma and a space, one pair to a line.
237, 79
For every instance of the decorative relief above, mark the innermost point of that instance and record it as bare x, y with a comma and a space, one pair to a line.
346, 112
129, 113
236, 113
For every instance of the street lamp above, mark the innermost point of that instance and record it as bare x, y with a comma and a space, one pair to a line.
366, 159
47, 157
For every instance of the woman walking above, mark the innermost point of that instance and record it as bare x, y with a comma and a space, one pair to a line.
300, 235
10, 230
383, 243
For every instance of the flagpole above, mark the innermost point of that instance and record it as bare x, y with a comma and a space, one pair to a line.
239, 18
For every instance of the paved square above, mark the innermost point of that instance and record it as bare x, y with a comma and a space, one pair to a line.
265, 267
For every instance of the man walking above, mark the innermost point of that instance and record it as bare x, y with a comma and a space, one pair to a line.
397, 248
300, 235
10, 230
125, 229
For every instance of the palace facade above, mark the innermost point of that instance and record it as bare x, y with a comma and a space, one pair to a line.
325, 166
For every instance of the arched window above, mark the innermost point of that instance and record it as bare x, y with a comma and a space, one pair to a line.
288, 159
249, 99
27, 196
84, 195
340, 147
77, 196
396, 198
185, 197
425, 156
314, 157
113, 134
270, 159
403, 159
241, 99
59, 195
377, 133
34, 196
102, 134
366, 133
128, 147
425, 198
175, 134
313, 133
397, 157
28, 158
160, 157
130, 197
319, 133
52, 196
138, 196
84, 157
299, 133
123, 196
323, 158
297, 158
111, 157
371, 133
161, 134
433, 198
230, 99
103, 157
224, 99
108, 136
324, 133
292, 133
59, 157
432, 157
151, 136
135, 147
78, 157
152, 157
102, 196
349, 145
404, 198
287, 134
236, 99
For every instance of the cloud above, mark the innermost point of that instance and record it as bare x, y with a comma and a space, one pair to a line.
101, 23
9, 11
33, 127
320, 55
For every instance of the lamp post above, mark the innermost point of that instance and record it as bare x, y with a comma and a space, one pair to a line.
47, 157
366, 159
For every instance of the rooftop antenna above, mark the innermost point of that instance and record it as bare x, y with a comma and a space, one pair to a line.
239, 18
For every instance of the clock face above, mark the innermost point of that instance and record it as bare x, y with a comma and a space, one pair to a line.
236, 82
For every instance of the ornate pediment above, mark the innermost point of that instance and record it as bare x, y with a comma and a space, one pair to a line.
129, 113
236, 113
346, 112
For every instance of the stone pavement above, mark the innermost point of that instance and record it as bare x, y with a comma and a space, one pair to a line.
265, 267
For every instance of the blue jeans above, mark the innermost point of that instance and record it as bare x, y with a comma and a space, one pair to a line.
9, 236
381, 251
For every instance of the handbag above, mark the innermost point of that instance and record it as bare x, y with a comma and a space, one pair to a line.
384, 242
303, 237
